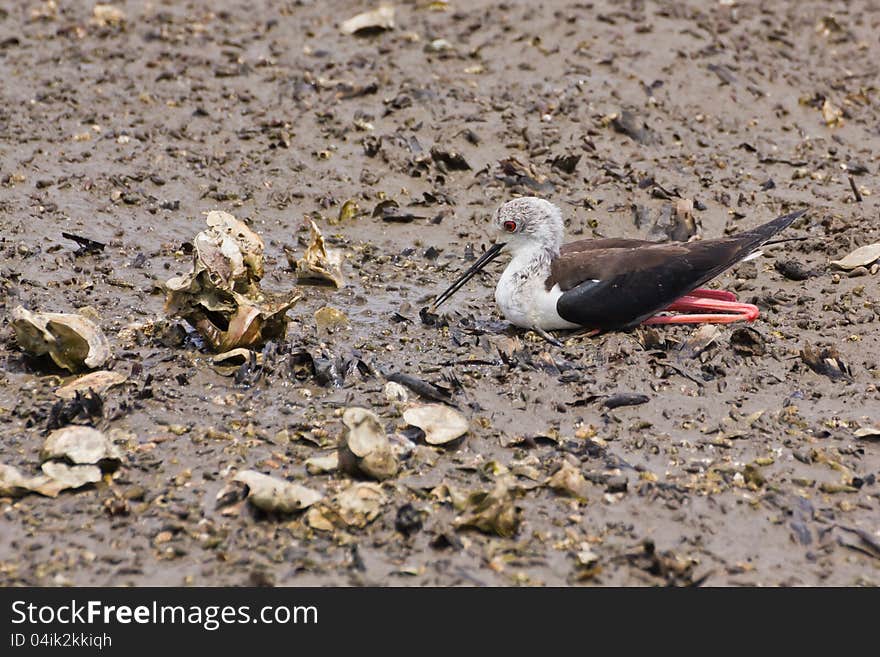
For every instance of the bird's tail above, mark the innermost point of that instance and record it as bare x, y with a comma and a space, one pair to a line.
762, 234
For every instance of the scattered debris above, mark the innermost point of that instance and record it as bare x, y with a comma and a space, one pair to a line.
360, 504
330, 319
625, 399
105, 15
568, 480
82, 446
72, 341
86, 246
514, 172
230, 362
322, 464
395, 392
833, 116
451, 160
408, 520
98, 382
370, 22
15, 484
861, 257
441, 424
699, 340
493, 512
221, 295
319, 264
825, 361
276, 495
869, 433
71, 476
364, 447
566, 163
675, 222
793, 270
747, 341
628, 123
422, 388
349, 210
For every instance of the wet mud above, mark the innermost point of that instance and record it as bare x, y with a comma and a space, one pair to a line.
737, 455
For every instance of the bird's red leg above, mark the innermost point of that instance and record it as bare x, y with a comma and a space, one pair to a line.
718, 306
721, 295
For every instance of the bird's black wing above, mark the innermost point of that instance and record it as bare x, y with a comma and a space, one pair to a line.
619, 286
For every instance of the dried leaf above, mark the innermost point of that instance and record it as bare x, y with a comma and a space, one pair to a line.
440, 423
274, 494
72, 341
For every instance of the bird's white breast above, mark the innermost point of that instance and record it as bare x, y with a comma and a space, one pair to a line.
523, 298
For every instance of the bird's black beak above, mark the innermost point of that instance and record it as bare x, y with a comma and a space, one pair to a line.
488, 256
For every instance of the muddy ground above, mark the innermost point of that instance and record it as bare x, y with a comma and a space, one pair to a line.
742, 468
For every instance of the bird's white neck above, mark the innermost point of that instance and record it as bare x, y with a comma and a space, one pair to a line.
531, 260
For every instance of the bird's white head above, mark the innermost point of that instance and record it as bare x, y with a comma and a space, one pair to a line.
528, 223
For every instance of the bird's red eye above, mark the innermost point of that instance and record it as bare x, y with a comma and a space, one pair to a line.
509, 226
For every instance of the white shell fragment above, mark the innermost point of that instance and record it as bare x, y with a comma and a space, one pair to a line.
81, 445
370, 21
568, 480
71, 476
229, 362
105, 15
319, 264
322, 464
15, 484
360, 504
440, 423
861, 257
364, 446
273, 494
395, 392
868, 432
71, 340
99, 382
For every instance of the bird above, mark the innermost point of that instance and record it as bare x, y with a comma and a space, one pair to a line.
610, 283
